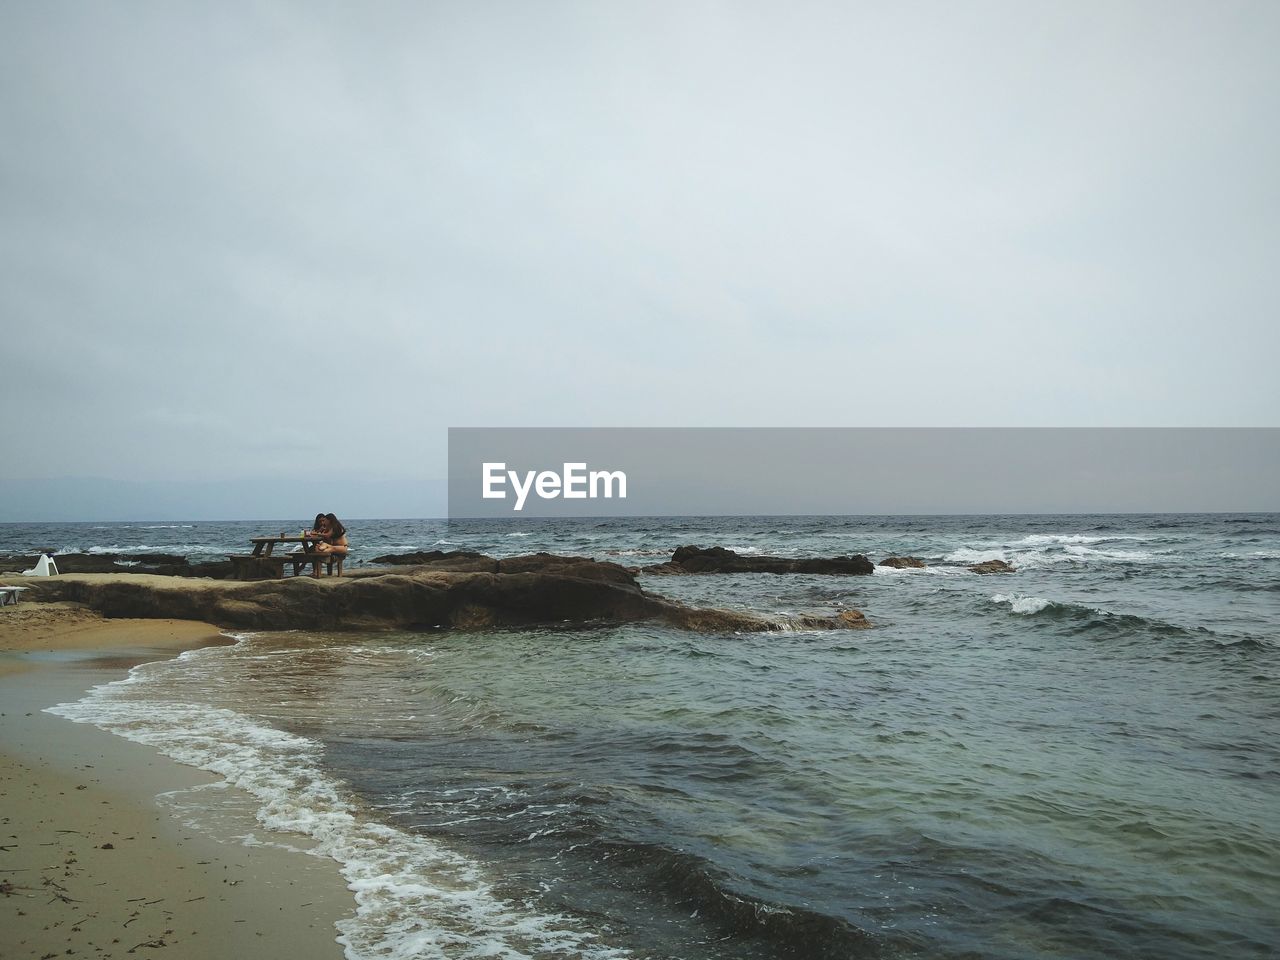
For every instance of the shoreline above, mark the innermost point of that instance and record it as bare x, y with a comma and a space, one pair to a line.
92, 860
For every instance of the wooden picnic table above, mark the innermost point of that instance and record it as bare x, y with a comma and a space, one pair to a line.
261, 564
269, 543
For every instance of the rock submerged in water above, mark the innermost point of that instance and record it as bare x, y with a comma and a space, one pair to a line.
519, 591
690, 559
903, 563
991, 566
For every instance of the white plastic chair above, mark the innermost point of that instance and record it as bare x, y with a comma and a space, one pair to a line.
45, 567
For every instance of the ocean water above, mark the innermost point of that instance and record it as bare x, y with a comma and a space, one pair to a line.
1081, 759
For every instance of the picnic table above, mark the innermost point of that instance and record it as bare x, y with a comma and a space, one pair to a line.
269, 543
10, 595
262, 564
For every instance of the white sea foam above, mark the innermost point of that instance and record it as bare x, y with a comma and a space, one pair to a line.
1048, 554
971, 555
1020, 560
1023, 605
1051, 539
518, 533
394, 653
171, 548
414, 897
1129, 556
882, 571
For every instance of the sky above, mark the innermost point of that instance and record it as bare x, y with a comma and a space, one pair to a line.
241, 243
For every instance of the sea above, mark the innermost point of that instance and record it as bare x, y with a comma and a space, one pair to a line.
1078, 759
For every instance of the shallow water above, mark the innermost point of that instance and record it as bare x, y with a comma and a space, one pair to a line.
1079, 759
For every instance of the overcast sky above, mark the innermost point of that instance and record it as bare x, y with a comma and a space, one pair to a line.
253, 239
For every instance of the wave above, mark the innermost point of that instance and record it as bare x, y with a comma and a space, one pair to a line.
1021, 560
1048, 539
1083, 618
413, 896
882, 571
698, 887
1066, 553
1023, 605
565, 823
1132, 556
932, 568
171, 548
1082, 612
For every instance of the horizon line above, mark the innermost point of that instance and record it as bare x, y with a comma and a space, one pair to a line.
682, 516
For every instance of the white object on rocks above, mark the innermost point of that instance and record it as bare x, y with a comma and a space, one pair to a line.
45, 567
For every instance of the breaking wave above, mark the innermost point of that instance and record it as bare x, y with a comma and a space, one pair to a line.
414, 897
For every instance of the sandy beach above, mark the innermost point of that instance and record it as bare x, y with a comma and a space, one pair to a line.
92, 862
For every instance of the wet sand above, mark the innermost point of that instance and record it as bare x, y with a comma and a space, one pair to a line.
92, 861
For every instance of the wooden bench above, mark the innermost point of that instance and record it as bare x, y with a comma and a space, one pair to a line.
11, 595
264, 567
256, 567
302, 558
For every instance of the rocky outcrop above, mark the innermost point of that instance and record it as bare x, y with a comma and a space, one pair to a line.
903, 563
166, 564
584, 567
458, 561
15, 563
539, 589
440, 559
691, 559
991, 566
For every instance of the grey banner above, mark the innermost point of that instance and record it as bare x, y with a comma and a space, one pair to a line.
586, 472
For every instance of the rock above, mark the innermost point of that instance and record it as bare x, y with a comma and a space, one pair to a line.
459, 561
87, 563
217, 570
901, 563
582, 567
991, 566
539, 589
451, 559
690, 559
844, 620
16, 564
152, 559
168, 564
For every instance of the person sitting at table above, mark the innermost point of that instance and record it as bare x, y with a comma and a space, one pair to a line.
332, 539
314, 533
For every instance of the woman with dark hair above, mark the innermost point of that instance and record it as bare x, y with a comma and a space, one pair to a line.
309, 537
330, 538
